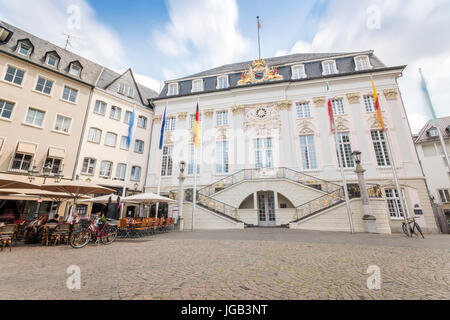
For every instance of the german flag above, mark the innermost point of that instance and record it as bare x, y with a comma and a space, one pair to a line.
196, 125
376, 101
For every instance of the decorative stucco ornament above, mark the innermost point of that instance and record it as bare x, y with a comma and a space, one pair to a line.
259, 72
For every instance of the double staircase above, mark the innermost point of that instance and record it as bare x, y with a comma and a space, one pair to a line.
333, 194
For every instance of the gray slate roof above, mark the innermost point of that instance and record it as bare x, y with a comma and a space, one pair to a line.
91, 71
344, 61
443, 125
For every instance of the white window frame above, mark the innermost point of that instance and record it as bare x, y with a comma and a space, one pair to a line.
338, 108
380, 148
124, 171
118, 111
125, 120
171, 91
32, 124
101, 173
219, 78
197, 85
136, 144
96, 130
192, 121
267, 161
124, 147
121, 89
30, 165
14, 76
53, 160
75, 70
142, 122
22, 45
222, 118
394, 204
104, 104
167, 161
303, 110
435, 131
63, 122
46, 81
71, 90
190, 163
130, 92
345, 150
171, 124
222, 157
91, 164
309, 160
444, 195
325, 71
3, 109
302, 74
111, 134
369, 103
365, 57
47, 59
133, 176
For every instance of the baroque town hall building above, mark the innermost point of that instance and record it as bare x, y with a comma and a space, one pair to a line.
267, 156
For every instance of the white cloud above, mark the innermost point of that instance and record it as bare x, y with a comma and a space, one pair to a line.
50, 19
149, 82
201, 34
408, 34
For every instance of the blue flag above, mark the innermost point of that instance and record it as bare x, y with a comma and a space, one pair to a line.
163, 127
130, 128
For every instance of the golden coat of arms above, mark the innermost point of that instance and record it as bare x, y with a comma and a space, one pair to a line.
259, 72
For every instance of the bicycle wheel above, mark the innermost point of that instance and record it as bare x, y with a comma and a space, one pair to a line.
109, 234
80, 239
405, 229
417, 227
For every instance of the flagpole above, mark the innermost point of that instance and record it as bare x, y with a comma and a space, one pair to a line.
159, 166
259, 37
386, 132
128, 168
194, 197
341, 167
435, 119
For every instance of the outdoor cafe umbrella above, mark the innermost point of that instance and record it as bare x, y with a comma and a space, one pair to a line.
9, 182
76, 189
103, 199
147, 199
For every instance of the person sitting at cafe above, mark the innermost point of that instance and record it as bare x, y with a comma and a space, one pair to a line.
55, 219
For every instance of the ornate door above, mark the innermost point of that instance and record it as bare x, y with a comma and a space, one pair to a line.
266, 209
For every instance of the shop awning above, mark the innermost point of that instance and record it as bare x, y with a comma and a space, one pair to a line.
56, 153
27, 148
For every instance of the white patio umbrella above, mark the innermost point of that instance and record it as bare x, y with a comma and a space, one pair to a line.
147, 199
9, 181
103, 199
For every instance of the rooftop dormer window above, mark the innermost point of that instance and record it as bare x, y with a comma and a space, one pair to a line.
121, 88
52, 60
329, 68
130, 92
197, 85
298, 72
173, 89
433, 132
24, 49
5, 35
222, 82
75, 69
362, 63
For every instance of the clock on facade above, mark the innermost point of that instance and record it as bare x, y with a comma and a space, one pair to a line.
261, 113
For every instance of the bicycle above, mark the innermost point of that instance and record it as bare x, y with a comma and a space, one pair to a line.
410, 227
107, 235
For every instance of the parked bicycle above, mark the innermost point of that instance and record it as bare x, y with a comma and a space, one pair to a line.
412, 227
97, 231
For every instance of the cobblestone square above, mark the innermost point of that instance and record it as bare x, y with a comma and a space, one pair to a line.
239, 264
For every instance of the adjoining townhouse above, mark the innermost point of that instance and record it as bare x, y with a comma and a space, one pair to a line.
105, 152
267, 156
50, 99
435, 166
44, 95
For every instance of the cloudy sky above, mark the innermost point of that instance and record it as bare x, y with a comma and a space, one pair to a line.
168, 39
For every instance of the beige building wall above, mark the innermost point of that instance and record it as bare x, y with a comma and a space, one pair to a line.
39, 140
115, 154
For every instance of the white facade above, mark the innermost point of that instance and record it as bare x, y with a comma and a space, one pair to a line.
270, 111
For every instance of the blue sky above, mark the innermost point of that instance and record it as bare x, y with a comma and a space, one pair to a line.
166, 39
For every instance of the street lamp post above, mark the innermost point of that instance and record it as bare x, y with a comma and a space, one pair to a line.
369, 218
181, 179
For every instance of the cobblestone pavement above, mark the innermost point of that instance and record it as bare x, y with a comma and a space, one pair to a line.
241, 264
